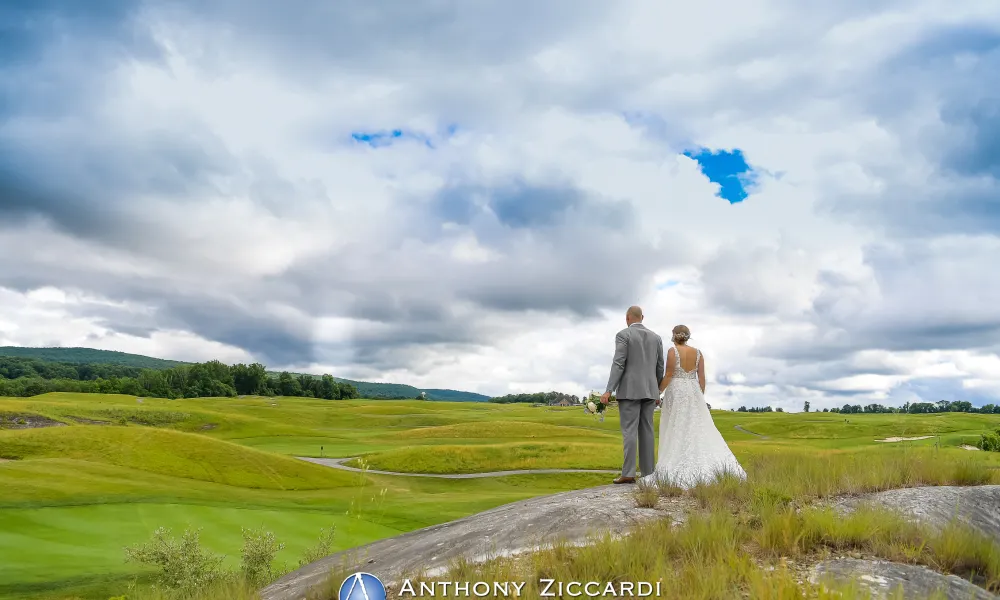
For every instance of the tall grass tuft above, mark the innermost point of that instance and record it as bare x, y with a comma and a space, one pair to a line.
645, 493
744, 536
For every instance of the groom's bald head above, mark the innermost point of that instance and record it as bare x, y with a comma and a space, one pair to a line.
633, 315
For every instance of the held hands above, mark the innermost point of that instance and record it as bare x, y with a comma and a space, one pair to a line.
605, 397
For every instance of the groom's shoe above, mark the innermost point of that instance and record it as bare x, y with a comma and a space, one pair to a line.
625, 480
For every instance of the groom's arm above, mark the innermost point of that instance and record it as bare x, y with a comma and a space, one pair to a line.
618, 363
659, 360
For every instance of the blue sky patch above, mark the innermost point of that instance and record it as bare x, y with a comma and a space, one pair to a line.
383, 138
379, 139
729, 169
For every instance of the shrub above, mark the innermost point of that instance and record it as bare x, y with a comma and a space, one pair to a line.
990, 441
323, 547
183, 564
258, 552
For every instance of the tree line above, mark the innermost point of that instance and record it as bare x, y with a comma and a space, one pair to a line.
30, 377
536, 398
915, 408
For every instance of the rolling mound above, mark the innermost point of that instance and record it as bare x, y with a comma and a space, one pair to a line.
849, 426
499, 429
495, 457
172, 453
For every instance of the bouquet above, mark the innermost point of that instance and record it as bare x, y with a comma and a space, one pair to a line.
594, 406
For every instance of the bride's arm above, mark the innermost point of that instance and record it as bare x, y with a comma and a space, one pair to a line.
701, 373
669, 371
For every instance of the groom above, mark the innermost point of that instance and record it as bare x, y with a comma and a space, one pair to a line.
636, 372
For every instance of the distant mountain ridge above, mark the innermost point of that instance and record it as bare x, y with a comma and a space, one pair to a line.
366, 389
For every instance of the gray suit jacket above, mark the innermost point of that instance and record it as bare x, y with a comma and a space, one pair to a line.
638, 364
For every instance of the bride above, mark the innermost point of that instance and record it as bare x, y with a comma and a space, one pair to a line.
691, 448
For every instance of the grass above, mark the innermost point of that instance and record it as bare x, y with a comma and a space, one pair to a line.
754, 540
172, 453
450, 459
75, 495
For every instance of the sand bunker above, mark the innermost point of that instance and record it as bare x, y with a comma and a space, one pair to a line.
26, 421
905, 439
968, 447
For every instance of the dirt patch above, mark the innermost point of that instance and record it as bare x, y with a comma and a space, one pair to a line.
209, 425
905, 439
26, 421
87, 421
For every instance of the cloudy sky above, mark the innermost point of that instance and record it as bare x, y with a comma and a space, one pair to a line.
470, 194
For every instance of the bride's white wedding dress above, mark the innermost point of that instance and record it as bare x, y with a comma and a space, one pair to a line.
691, 448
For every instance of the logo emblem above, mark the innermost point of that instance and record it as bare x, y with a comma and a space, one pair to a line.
362, 586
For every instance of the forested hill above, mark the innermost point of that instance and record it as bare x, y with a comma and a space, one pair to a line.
82, 356
91, 356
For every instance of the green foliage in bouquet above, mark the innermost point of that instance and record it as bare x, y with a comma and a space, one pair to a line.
593, 405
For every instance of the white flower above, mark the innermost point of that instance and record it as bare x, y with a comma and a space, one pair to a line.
592, 407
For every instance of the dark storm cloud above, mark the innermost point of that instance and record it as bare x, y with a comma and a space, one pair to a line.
933, 389
522, 205
271, 338
29, 26
517, 206
357, 34
563, 259
978, 124
954, 69
917, 300
90, 184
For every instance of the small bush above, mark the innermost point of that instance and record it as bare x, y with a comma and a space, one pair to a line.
323, 547
990, 441
259, 549
183, 564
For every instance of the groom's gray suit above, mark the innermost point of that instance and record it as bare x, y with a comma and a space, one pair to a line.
636, 373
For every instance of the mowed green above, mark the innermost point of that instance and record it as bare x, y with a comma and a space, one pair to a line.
119, 467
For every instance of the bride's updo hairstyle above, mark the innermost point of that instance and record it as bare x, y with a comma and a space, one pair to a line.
681, 334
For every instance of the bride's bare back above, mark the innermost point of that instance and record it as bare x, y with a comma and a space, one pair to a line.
690, 358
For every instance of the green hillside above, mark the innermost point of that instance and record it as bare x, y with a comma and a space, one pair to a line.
79, 356
456, 396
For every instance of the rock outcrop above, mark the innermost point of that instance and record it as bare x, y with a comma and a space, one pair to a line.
571, 517
976, 506
883, 578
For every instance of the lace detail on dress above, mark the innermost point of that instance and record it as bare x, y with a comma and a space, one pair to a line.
679, 371
692, 450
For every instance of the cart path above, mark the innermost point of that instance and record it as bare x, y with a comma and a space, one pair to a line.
760, 435
338, 463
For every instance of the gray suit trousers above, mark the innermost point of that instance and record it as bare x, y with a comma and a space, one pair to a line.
637, 426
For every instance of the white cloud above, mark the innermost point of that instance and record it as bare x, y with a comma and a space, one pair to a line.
215, 205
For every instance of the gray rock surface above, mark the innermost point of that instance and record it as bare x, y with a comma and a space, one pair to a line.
511, 529
883, 578
338, 463
572, 516
977, 506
